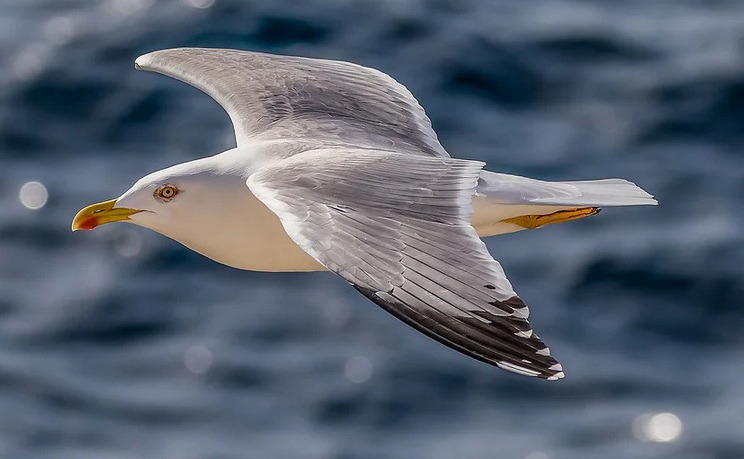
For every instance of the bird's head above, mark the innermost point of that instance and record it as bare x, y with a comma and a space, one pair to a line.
168, 201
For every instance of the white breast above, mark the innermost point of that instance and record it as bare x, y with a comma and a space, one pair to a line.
252, 238
241, 232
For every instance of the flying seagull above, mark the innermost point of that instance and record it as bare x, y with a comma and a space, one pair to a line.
337, 168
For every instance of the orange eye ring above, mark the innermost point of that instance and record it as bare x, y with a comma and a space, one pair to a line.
166, 192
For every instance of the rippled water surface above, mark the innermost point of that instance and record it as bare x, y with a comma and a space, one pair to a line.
120, 343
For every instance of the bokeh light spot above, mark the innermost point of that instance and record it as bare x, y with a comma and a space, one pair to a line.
197, 359
658, 427
128, 243
202, 4
33, 195
358, 369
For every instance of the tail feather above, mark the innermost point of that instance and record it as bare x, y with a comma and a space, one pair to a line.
512, 189
507, 203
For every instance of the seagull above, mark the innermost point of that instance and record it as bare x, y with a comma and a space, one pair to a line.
337, 168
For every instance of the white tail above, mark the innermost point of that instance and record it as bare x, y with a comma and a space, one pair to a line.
501, 196
512, 189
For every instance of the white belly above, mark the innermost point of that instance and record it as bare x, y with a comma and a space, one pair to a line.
266, 246
247, 236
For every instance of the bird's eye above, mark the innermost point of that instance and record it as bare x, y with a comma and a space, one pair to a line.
166, 192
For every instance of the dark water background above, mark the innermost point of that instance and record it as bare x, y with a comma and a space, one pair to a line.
122, 344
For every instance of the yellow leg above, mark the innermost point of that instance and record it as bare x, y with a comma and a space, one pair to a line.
536, 221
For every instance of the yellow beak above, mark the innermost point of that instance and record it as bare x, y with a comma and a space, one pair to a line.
101, 213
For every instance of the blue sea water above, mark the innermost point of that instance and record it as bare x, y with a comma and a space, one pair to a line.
120, 343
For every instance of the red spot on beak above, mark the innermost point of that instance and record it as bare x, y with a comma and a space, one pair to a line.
88, 224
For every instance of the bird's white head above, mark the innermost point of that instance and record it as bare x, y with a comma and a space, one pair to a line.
179, 201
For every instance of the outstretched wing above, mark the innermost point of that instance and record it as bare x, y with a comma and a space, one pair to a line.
269, 97
397, 227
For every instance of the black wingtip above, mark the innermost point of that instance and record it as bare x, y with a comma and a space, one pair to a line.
500, 343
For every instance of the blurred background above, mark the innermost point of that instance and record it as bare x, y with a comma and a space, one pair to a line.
120, 343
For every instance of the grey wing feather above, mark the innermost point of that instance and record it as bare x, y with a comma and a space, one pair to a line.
397, 228
270, 96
